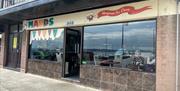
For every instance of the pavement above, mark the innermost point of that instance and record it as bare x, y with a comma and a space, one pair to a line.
17, 81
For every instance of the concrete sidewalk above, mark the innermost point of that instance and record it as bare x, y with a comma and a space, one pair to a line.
16, 81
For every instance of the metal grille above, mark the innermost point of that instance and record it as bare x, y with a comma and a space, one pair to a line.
7, 3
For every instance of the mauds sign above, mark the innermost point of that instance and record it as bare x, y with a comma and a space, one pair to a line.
41, 23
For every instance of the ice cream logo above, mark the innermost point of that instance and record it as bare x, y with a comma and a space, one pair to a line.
90, 17
126, 9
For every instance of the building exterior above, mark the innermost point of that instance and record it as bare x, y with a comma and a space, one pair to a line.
117, 45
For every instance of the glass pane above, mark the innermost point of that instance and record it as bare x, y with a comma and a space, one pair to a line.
13, 28
126, 45
20, 28
139, 43
46, 44
101, 42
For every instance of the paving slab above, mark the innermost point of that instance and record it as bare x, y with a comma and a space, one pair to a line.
17, 81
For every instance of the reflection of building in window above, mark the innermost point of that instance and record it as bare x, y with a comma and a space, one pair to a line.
128, 45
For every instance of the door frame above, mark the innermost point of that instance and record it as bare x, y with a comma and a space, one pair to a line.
64, 51
19, 33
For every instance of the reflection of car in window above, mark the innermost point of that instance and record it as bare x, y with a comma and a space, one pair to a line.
121, 54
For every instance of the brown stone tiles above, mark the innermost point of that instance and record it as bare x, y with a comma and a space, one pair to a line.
116, 79
48, 69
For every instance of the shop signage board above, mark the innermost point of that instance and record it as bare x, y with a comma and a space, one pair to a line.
41, 23
119, 13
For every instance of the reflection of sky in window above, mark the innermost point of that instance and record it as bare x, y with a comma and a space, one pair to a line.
103, 36
140, 35
137, 35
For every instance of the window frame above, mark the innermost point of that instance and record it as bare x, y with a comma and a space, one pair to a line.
155, 38
29, 48
82, 39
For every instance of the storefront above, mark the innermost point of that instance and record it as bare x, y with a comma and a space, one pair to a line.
109, 48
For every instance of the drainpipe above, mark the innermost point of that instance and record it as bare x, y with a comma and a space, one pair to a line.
177, 45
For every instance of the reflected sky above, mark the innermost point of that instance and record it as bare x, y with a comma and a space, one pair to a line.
140, 34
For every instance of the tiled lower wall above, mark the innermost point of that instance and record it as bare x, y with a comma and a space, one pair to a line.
45, 68
116, 79
104, 78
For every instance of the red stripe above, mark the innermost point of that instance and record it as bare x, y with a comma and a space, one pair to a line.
127, 9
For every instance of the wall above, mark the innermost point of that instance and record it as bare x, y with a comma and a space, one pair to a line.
4, 42
179, 72
24, 51
166, 53
44, 68
166, 46
116, 79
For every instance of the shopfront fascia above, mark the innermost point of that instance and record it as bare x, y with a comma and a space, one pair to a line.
119, 13
74, 29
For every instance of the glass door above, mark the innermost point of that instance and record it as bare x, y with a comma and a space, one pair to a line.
14, 47
72, 52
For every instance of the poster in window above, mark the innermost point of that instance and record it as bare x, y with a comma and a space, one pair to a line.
15, 42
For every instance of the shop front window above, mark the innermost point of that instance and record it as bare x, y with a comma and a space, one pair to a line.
127, 45
46, 44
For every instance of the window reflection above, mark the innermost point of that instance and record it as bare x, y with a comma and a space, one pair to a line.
127, 45
100, 43
46, 44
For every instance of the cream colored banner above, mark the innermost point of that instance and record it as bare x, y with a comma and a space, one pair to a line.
166, 7
126, 12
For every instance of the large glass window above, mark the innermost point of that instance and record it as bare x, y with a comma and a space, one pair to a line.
127, 45
46, 44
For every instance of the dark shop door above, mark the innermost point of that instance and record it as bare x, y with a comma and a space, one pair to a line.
72, 52
14, 48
